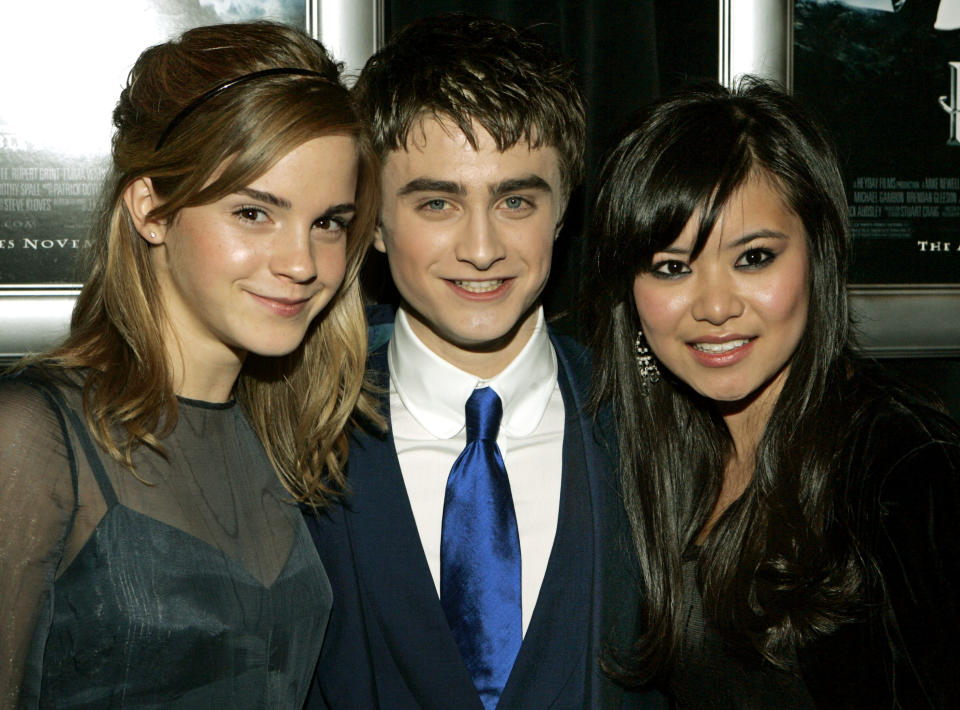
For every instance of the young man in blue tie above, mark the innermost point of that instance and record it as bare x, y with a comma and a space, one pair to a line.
480, 558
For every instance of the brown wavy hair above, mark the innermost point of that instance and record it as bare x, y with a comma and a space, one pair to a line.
300, 403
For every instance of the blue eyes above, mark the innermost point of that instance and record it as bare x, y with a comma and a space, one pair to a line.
513, 203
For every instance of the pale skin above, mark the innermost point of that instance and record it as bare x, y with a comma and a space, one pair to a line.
469, 235
728, 322
249, 272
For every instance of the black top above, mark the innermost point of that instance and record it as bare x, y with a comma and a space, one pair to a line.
712, 674
902, 466
192, 583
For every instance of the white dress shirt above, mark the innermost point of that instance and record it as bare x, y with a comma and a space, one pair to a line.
427, 400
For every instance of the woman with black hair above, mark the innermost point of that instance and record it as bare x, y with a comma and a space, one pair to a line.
793, 510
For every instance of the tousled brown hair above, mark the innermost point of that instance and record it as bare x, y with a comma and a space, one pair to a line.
475, 70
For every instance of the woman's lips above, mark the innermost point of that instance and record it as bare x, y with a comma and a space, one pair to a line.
713, 352
286, 307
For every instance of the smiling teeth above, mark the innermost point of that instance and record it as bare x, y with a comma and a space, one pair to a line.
479, 286
718, 348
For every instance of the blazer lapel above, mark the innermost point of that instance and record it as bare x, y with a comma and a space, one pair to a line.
394, 575
557, 641
615, 579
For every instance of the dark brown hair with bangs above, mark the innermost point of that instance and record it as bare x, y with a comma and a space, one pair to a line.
685, 156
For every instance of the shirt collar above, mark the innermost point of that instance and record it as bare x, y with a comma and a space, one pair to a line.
434, 391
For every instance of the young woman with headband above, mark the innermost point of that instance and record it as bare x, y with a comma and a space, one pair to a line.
153, 553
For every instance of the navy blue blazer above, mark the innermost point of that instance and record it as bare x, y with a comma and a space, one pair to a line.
388, 645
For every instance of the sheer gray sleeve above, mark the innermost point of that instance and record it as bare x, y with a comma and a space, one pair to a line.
37, 503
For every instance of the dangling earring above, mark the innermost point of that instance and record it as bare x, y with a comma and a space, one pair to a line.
649, 374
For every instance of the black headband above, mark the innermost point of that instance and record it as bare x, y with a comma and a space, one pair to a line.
189, 108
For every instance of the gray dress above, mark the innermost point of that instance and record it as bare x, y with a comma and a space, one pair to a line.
193, 583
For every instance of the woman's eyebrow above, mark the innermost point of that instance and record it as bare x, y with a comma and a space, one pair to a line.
758, 234
267, 197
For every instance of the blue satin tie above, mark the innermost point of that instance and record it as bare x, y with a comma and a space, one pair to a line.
480, 553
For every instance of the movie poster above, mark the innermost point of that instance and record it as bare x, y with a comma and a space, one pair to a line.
63, 64
884, 75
